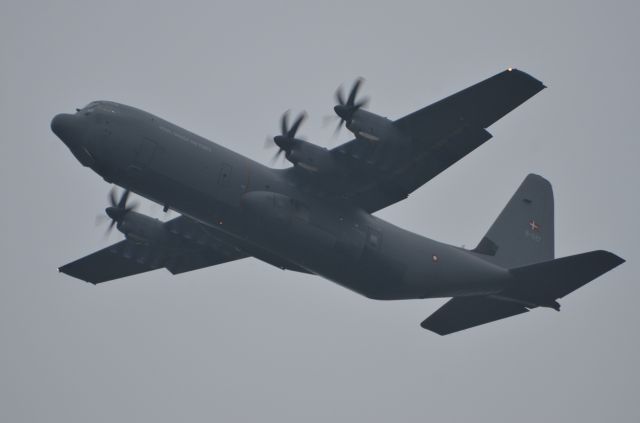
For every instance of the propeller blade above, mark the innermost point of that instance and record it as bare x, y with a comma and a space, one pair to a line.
275, 157
107, 231
112, 197
345, 110
131, 207
354, 91
326, 119
294, 128
117, 209
286, 140
339, 96
337, 130
284, 123
362, 103
123, 200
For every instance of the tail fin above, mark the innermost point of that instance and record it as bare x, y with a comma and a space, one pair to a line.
543, 283
523, 233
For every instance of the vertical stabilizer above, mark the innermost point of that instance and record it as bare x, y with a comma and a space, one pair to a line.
523, 233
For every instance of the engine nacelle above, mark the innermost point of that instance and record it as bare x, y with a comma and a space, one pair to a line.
311, 157
377, 129
143, 229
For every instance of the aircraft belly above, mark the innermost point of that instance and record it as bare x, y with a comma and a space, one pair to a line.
370, 257
357, 251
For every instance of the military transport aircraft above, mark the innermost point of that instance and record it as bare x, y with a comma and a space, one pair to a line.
316, 216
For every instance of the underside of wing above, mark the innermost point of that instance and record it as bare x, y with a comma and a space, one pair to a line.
439, 135
387, 188
188, 246
127, 258
116, 261
466, 312
478, 106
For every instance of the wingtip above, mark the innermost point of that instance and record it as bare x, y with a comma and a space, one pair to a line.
528, 76
613, 260
425, 325
541, 179
618, 260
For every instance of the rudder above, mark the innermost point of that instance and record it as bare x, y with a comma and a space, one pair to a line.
523, 233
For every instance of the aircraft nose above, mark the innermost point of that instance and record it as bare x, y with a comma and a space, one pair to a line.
71, 129
63, 126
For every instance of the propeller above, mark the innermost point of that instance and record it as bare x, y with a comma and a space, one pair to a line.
118, 208
287, 138
346, 109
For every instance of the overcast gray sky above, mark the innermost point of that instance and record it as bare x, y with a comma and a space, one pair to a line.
247, 342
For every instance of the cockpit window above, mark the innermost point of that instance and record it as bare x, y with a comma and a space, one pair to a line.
99, 105
107, 107
88, 108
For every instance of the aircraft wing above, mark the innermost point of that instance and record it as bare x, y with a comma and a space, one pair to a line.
192, 247
466, 312
440, 134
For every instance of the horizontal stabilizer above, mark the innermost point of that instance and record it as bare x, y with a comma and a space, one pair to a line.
544, 282
466, 312
531, 286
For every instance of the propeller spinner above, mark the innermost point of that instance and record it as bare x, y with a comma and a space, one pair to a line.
287, 138
346, 109
118, 208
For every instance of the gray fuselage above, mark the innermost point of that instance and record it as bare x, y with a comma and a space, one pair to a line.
270, 211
